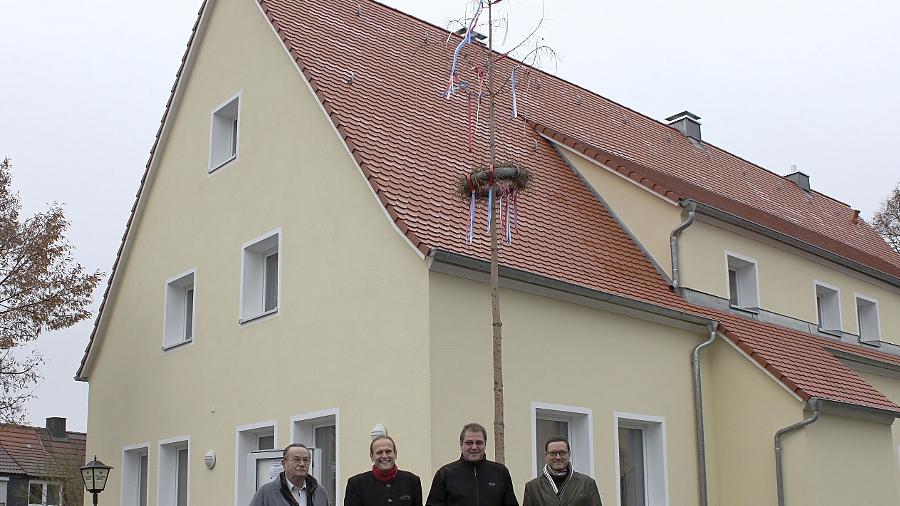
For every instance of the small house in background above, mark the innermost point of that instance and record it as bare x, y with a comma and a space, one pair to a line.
39, 466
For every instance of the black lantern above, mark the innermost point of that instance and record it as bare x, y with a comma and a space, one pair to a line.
94, 474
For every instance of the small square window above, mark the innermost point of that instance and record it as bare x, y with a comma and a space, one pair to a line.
867, 319
223, 137
570, 422
743, 292
173, 472
828, 308
319, 431
135, 465
179, 317
249, 440
260, 276
641, 449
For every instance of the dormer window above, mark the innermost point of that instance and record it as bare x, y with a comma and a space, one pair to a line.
828, 308
867, 319
743, 292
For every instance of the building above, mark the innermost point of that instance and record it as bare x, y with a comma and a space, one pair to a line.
296, 268
39, 465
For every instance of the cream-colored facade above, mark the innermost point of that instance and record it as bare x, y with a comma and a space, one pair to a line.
367, 331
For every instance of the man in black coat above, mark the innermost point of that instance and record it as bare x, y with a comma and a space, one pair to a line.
384, 485
472, 480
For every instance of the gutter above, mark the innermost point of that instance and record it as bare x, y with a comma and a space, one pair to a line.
698, 408
816, 407
673, 242
791, 241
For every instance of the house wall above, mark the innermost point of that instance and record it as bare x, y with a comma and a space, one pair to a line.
786, 277
889, 385
561, 353
748, 407
848, 461
649, 217
353, 310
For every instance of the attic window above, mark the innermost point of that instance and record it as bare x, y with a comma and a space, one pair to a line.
260, 277
179, 316
743, 292
223, 137
828, 308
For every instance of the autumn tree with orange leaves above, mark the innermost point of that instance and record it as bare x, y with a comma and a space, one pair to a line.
42, 288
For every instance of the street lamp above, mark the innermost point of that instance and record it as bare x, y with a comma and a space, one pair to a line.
94, 474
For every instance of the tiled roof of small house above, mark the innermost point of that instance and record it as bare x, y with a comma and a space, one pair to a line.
33, 452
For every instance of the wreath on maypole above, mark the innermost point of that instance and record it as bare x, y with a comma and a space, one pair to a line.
504, 182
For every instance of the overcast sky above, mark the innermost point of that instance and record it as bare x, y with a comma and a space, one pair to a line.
811, 83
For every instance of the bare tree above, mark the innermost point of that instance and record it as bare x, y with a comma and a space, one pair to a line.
886, 220
41, 288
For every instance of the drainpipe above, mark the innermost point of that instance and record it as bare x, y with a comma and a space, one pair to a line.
698, 402
673, 243
816, 407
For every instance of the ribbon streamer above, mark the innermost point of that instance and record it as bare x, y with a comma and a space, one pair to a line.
467, 39
471, 217
515, 111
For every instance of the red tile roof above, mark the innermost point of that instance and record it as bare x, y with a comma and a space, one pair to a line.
35, 453
411, 144
379, 74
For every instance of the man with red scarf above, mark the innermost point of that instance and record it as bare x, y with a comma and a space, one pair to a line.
384, 485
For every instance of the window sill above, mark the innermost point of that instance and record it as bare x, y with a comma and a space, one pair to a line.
257, 317
874, 343
226, 162
169, 347
831, 333
751, 310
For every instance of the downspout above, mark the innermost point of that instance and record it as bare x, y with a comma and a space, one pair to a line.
698, 402
673, 243
815, 405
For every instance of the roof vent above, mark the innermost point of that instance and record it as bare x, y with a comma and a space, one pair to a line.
687, 123
56, 426
798, 178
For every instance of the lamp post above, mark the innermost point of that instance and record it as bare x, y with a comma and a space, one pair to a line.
94, 474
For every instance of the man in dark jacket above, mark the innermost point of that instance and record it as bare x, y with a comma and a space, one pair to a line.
472, 480
294, 486
558, 484
384, 485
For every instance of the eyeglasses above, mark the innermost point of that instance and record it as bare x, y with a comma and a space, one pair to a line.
297, 460
562, 454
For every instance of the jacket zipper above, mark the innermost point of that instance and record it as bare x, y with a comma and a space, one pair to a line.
475, 471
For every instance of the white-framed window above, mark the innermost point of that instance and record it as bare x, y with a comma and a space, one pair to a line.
247, 439
135, 468
178, 323
572, 422
3, 483
260, 276
743, 281
867, 319
641, 467
321, 430
223, 133
828, 307
173, 483
44, 493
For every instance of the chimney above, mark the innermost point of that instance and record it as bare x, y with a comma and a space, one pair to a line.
798, 178
56, 426
687, 123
